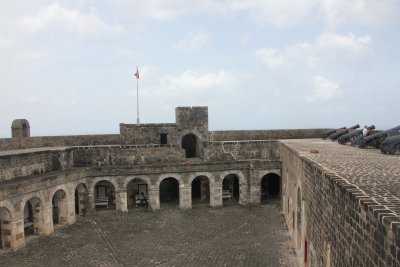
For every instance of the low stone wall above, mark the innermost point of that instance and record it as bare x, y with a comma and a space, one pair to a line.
266, 134
132, 134
333, 222
58, 141
242, 150
127, 155
34, 163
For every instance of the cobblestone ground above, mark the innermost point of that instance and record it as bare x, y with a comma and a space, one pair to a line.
229, 236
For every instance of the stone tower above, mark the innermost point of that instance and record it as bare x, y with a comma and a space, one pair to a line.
20, 128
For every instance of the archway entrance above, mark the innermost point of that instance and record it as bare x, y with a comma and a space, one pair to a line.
137, 193
33, 217
200, 191
104, 195
5, 231
81, 199
60, 207
230, 189
270, 187
189, 143
169, 192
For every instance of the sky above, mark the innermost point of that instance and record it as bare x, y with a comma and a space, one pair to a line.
68, 66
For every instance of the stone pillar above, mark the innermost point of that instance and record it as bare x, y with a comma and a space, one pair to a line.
154, 198
215, 195
121, 200
255, 194
81, 203
13, 233
66, 214
185, 197
46, 218
90, 201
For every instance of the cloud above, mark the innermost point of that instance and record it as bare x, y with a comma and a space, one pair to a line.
193, 42
271, 57
71, 20
323, 91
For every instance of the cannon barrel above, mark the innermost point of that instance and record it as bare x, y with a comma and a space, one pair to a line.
347, 137
377, 138
341, 132
328, 133
390, 145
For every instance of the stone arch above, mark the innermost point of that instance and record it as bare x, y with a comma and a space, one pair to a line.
5, 231
112, 180
144, 178
60, 207
271, 184
33, 216
200, 190
170, 191
168, 175
243, 185
81, 199
104, 193
209, 176
135, 186
190, 143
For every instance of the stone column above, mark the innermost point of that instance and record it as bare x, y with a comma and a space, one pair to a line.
255, 194
185, 197
121, 200
81, 203
215, 195
154, 198
90, 204
46, 218
13, 233
66, 212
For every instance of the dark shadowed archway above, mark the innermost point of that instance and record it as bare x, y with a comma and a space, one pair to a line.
270, 187
189, 144
5, 231
230, 189
169, 192
81, 199
137, 193
200, 191
104, 195
33, 216
60, 207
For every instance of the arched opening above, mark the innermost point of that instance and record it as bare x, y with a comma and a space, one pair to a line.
200, 191
104, 195
5, 228
60, 207
169, 192
81, 199
270, 187
137, 193
298, 217
230, 189
189, 143
33, 217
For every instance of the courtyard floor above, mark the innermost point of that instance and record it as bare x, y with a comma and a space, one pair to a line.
229, 236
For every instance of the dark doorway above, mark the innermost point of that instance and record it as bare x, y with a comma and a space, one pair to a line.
81, 199
189, 143
270, 187
104, 195
230, 189
163, 139
60, 207
28, 219
169, 191
200, 191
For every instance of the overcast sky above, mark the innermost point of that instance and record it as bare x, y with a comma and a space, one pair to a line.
68, 66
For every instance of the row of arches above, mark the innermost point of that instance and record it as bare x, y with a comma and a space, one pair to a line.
40, 216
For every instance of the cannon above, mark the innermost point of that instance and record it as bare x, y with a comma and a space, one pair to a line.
341, 132
390, 145
376, 139
328, 133
353, 135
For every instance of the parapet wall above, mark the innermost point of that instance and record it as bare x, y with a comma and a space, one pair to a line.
266, 134
132, 134
58, 141
333, 222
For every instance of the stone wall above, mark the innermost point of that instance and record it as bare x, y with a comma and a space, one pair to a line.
34, 163
127, 155
58, 141
332, 222
132, 134
240, 150
266, 134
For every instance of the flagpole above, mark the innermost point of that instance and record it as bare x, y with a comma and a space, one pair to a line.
137, 100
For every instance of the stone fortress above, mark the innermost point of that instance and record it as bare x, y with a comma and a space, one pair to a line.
341, 204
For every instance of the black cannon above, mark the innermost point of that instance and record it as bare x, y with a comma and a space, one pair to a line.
328, 133
341, 132
391, 145
353, 136
376, 139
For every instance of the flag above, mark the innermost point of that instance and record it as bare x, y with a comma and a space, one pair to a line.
137, 73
